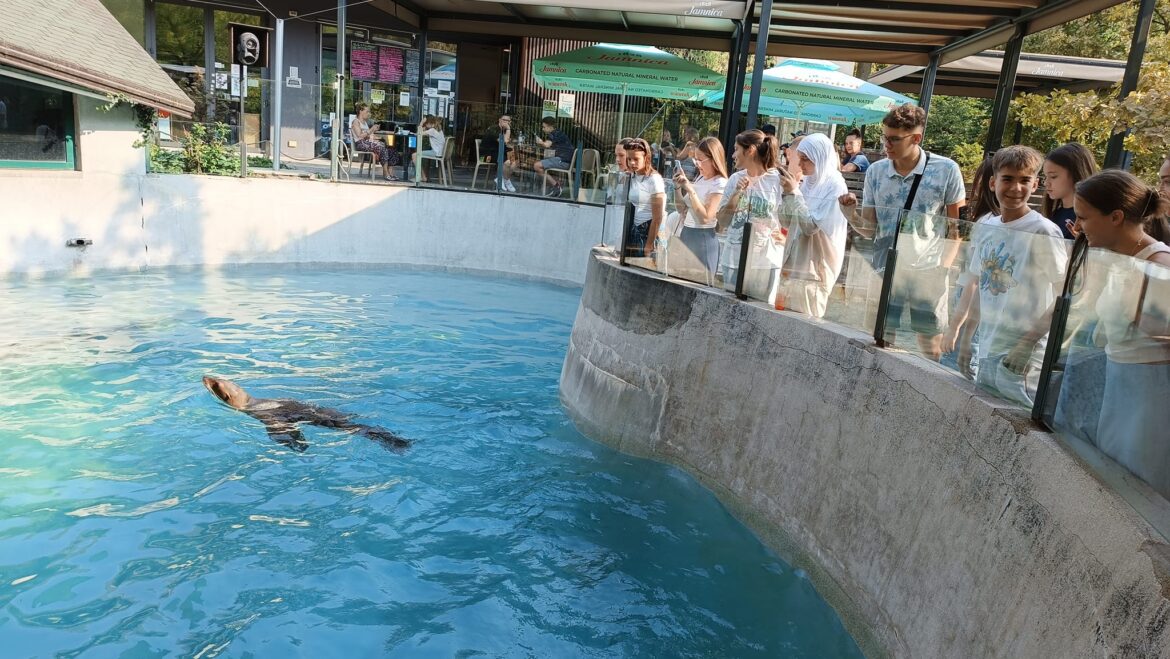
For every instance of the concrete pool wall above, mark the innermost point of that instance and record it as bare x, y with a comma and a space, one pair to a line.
142, 220
939, 522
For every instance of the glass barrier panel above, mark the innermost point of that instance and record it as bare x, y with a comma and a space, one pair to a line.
977, 297
687, 240
1111, 386
755, 228
853, 300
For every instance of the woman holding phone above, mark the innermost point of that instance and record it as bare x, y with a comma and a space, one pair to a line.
755, 194
697, 202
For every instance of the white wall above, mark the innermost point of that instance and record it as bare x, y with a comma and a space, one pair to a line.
139, 220
106, 139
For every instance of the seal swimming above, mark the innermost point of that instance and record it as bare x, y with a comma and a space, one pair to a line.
280, 416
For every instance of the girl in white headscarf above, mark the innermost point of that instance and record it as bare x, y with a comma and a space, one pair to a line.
816, 227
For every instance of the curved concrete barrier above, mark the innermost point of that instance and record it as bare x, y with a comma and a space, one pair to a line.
939, 522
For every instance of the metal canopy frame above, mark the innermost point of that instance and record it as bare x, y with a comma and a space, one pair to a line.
923, 33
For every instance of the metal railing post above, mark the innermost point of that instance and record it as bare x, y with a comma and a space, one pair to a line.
627, 224
743, 259
500, 163
580, 158
1056, 329
879, 328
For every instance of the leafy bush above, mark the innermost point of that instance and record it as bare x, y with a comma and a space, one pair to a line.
968, 155
206, 150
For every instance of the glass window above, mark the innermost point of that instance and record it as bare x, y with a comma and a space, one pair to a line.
382, 96
179, 37
36, 126
132, 15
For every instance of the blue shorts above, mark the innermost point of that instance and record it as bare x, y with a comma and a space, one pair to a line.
553, 163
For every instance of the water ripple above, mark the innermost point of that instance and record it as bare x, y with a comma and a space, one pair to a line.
140, 517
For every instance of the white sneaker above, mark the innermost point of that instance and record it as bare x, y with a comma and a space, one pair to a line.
508, 187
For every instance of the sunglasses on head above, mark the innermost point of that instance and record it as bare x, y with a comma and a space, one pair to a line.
638, 145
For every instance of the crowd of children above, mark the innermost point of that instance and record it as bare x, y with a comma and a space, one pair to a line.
985, 295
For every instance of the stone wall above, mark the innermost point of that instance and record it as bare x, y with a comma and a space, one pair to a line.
939, 522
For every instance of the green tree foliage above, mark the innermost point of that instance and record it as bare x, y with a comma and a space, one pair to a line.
1092, 117
956, 121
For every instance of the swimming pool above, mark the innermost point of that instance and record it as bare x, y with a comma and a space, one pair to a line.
139, 516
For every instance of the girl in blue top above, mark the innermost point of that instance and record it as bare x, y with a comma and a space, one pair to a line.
1064, 167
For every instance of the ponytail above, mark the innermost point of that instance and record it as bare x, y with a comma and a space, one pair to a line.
1155, 216
766, 148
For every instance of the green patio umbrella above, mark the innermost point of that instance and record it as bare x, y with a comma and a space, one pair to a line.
626, 70
815, 90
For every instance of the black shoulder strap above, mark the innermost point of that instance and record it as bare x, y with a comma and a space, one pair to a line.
914, 185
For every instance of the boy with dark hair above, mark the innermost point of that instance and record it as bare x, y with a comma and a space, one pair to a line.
929, 226
855, 160
1017, 264
562, 154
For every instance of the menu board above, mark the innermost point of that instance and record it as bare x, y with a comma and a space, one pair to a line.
412, 66
390, 65
363, 61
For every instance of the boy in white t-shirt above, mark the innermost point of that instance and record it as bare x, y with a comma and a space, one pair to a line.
1017, 263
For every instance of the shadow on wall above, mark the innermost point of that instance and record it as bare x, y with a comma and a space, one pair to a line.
232, 221
138, 221
110, 209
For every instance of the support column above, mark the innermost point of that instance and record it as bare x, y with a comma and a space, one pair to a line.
338, 129
765, 24
1004, 92
150, 34
730, 113
1115, 155
736, 100
276, 69
928, 78
422, 66
209, 62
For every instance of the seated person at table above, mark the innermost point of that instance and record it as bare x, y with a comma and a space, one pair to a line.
489, 148
855, 160
432, 129
562, 154
364, 140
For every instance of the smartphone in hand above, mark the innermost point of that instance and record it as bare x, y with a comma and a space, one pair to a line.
678, 170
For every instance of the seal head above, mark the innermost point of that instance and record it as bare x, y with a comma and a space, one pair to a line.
229, 392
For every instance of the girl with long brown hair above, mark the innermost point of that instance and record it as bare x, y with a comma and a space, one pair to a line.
698, 202
754, 194
1064, 167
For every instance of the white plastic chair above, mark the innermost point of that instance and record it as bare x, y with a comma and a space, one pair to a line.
480, 162
557, 170
444, 160
590, 166
348, 154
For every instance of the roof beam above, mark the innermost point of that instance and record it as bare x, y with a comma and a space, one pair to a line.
511, 9
976, 42
894, 5
581, 25
850, 45
871, 27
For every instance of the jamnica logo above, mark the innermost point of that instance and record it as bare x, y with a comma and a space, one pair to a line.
552, 68
703, 82
628, 59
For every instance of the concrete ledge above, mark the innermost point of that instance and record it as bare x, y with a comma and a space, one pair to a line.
938, 522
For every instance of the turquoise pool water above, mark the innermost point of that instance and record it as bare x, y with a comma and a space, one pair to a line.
140, 517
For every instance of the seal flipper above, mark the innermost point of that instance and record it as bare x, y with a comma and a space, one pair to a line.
385, 437
286, 434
